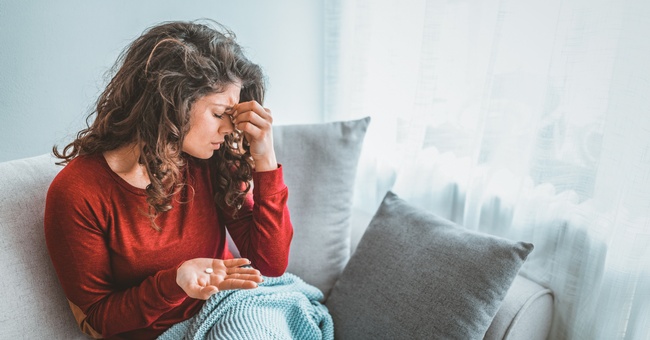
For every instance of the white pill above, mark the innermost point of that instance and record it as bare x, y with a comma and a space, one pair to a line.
209, 270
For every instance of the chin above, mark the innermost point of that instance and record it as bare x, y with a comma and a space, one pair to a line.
206, 155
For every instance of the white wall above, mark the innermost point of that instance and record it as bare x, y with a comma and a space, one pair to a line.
53, 56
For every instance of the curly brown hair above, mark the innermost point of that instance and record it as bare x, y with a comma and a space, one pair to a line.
147, 103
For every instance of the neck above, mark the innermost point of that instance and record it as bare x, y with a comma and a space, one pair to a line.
124, 161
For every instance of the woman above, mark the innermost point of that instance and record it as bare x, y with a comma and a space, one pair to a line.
135, 223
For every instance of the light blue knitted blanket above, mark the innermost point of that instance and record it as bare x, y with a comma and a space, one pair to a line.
282, 307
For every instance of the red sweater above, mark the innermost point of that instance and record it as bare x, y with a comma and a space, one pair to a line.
119, 274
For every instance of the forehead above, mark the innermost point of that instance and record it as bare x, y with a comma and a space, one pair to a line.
229, 96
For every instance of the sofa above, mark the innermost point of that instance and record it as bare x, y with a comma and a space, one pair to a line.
400, 273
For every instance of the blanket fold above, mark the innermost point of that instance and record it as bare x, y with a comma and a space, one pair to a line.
282, 307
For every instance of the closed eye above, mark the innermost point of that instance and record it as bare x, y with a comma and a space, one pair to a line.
216, 115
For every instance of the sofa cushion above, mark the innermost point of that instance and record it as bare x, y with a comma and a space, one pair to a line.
33, 303
320, 162
415, 275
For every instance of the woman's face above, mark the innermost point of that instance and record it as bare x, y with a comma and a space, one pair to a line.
210, 122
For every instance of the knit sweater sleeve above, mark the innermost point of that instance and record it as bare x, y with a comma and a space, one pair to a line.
262, 229
77, 242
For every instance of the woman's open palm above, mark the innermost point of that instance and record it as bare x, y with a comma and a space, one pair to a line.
202, 277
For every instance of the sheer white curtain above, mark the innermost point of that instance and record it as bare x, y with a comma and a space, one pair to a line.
525, 119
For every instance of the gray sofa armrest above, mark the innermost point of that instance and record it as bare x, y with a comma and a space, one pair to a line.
34, 306
525, 313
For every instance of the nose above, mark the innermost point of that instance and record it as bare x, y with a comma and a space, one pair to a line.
227, 127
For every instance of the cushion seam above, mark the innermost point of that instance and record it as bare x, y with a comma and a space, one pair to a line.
523, 308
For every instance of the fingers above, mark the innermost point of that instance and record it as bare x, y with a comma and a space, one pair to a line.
251, 118
252, 124
261, 116
233, 263
237, 284
202, 277
207, 291
257, 278
247, 108
240, 278
239, 270
202, 292
256, 122
252, 132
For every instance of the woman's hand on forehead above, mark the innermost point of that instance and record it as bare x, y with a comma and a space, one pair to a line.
255, 122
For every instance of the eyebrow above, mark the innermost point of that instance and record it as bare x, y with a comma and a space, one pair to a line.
222, 105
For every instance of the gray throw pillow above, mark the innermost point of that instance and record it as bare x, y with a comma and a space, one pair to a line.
415, 275
319, 164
